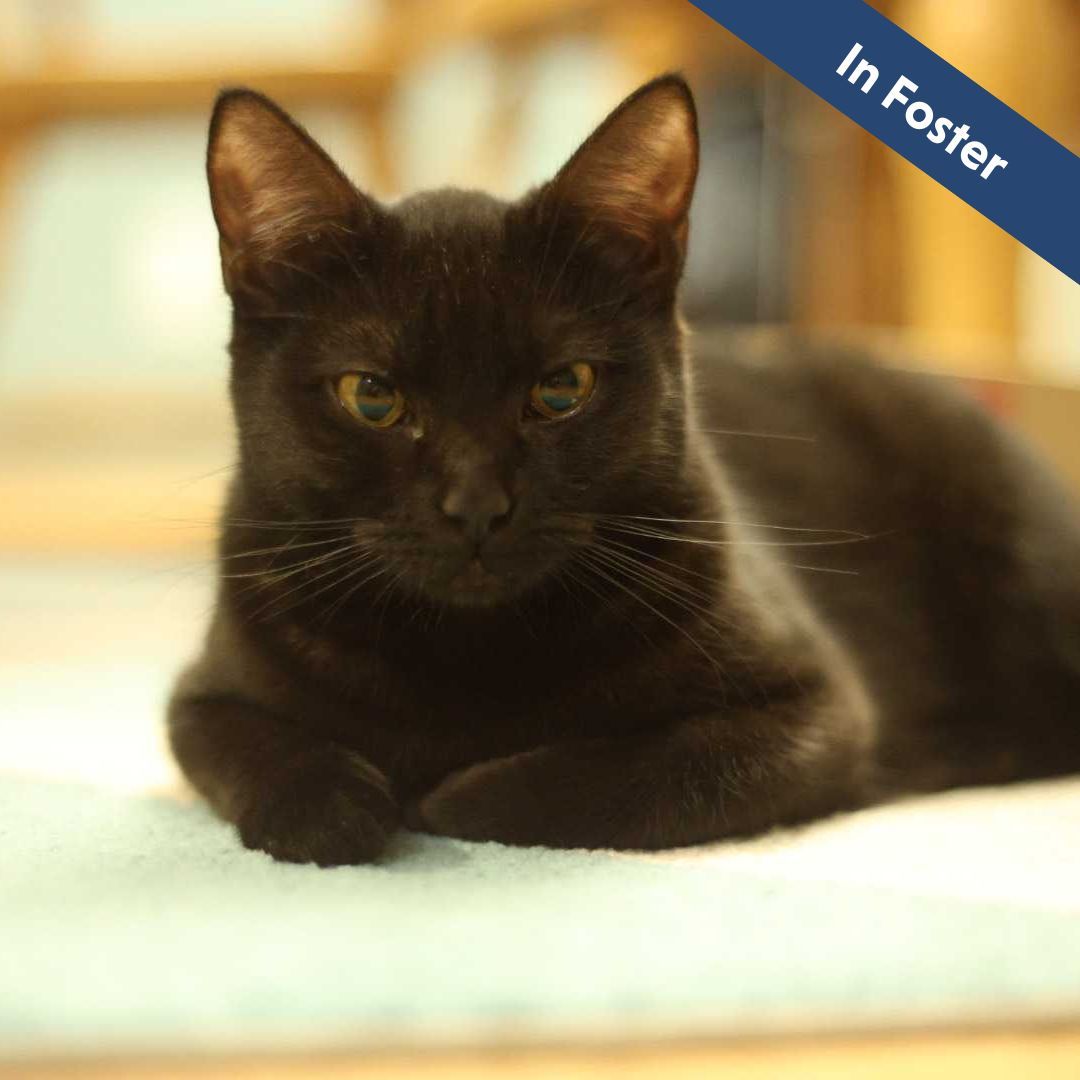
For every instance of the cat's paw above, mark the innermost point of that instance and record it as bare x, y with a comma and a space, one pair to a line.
480, 802
543, 796
329, 806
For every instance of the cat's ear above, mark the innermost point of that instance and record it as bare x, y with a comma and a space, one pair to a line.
636, 171
272, 187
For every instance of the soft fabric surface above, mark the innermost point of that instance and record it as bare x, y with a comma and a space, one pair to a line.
138, 922
133, 920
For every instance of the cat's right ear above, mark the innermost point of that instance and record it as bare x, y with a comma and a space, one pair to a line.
273, 189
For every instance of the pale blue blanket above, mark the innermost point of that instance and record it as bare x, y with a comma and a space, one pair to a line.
132, 923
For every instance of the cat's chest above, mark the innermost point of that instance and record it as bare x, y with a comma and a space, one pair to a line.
421, 704
420, 716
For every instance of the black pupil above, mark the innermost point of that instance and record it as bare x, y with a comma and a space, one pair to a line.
566, 379
560, 390
372, 386
375, 398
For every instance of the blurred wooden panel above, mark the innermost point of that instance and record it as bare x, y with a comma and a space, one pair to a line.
110, 507
846, 264
1003, 1055
119, 472
874, 242
76, 94
959, 288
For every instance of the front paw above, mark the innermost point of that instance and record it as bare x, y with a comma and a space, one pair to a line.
542, 796
475, 803
329, 806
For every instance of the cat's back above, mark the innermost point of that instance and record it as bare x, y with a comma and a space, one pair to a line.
830, 439
959, 595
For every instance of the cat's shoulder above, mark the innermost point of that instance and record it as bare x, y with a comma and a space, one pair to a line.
779, 361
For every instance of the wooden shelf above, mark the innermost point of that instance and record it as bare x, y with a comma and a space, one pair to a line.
1049, 1054
41, 99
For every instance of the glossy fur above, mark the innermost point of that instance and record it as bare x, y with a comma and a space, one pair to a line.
751, 591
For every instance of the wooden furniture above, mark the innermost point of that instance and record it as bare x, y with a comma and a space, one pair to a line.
1049, 1054
874, 242
886, 246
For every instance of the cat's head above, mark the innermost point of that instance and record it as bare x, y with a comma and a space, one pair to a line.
473, 381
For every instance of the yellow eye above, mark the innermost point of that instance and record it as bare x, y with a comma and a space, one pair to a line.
370, 399
563, 392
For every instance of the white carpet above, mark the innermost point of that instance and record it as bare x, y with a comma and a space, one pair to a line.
132, 919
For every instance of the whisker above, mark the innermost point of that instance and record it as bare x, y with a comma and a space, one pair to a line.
277, 548
343, 574
217, 561
384, 594
338, 553
583, 582
308, 523
351, 591
634, 530
683, 596
740, 524
580, 239
345, 256
629, 548
315, 524
759, 434
603, 305
644, 568
712, 617
822, 569
270, 576
598, 569
552, 226
182, 484
298, 268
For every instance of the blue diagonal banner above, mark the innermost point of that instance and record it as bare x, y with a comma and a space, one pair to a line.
926, 110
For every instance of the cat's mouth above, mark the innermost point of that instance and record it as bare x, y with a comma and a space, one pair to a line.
482, 579
488, 575
476, 584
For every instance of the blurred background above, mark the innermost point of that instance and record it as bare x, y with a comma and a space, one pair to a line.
115, 436
114, 430
112, 317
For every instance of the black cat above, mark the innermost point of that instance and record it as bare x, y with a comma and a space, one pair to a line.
501, 564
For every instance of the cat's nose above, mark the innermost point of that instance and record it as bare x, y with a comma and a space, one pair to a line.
478, 504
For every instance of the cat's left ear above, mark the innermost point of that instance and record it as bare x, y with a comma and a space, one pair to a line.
636, 172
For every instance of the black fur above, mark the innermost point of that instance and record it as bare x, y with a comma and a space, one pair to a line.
671, 630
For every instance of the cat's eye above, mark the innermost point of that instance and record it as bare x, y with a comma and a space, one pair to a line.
563, 392
370, 398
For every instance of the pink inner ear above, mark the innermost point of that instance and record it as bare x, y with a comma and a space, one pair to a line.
232, 201
638, 169
676, 166
269, 184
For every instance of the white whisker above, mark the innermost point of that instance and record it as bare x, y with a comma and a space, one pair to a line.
337, 568
598, 569
850, 533
655, 534
822, 569
759, 434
